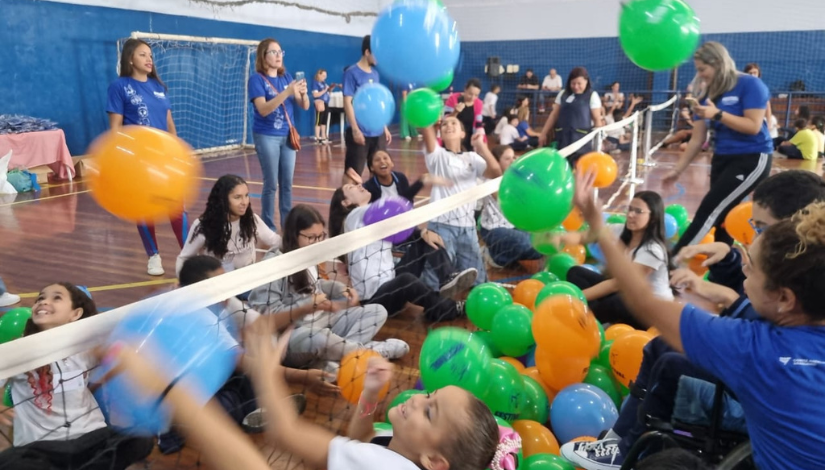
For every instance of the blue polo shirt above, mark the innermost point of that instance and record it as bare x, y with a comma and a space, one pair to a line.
140, 103
777, 375
275, 124
355, 78
320, 86
749, 93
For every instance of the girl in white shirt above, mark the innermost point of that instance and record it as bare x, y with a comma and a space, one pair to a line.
644, 236
57, 422
228, 229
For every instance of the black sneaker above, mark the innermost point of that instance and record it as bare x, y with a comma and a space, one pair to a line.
170, 442
458, 283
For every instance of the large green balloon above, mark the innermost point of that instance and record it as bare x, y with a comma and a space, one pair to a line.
618, 219
559, 264
602, 378
503, 394
7, 401
543, 241
679, 213
512, 330
501, 422
453, 356
546, 462
604, 354
442, 84
382, 428
535, 405
13, 323
401, 398
487, 338
545, 277
601, 330
560, 288
536, 192
423, 107
658, 34
484, 301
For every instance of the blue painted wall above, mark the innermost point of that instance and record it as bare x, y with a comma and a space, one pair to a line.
58, 59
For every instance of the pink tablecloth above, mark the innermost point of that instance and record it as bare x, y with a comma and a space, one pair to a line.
34, 149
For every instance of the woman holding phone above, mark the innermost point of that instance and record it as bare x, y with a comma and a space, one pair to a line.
274, 94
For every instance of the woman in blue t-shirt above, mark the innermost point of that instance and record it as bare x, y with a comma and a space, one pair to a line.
320, 93
733, 105
274, 95
138, 98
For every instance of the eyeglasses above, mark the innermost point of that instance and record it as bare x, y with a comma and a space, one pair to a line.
314, 238
274, 52
757, 229
636, 211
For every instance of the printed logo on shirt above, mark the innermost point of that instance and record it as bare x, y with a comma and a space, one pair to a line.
160, 94
785, 360
730, 100
137, 101
740, 177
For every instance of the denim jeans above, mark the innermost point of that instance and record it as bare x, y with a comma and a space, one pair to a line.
509, 245
2, 287
462, 247
278, 167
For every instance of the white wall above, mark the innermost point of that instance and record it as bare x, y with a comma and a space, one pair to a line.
485, 20
324, 16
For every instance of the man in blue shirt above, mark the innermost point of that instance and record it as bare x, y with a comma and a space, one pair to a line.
361, 144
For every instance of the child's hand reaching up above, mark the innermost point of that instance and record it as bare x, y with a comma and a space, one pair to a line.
379, 372
585, 199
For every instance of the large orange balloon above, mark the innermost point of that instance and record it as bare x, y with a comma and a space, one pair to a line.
626, 356
563, 323
535, 438
559, 370
574, 220
695, 264
737, 223
617, 330
578, 252
603, 164
352, 373
142, 174
513, 362
709, 238
533, 373
526, 292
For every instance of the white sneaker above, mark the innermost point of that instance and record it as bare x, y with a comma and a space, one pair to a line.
390, 349
8, 299
485, 255
408, 138
155, 267
597, 455
459, 283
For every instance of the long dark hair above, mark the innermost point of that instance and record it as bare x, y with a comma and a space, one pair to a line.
655, 230
338, 213
301, 217
214, 222
574, 74
79, 298
126, 68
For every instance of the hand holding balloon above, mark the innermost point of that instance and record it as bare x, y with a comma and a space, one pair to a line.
379, 373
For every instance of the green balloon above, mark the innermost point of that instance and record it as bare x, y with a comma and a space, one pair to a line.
489, 347
7, 401
602, 378
617, 219
501, 422
511, 331
658, 34
13, 323
543, 241
545, 277
585, 227
706, 277
443, 83
423, 107
545, 462
559, 264
484, 301
601, 331
604, 355
453, 356
536, 192
382, 427
503, 394
559, 288
623, 391
679, 213
401, 398
535, 405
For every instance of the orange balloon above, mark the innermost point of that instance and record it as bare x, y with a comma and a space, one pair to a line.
563, 323
142, 174
626, 356
533, 373
603, 164
616, 331
535, 438
737, 223
574, 220
526, 291
584, 439
514, 362
709, 238
352, 372
577, 252
653, 331
695, 264
559, 370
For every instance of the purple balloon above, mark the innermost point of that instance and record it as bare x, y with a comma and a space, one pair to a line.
386, 208
419, 385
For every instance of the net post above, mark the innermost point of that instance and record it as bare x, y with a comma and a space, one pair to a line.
634, 152
648, 138
599, 138
245, 94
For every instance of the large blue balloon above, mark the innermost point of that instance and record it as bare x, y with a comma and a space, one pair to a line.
671, 226
374, 107
193, 349
581, 410
596, 252
415, 41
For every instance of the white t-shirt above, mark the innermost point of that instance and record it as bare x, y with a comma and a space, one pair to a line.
504, 121
370, 266
774, 129
550, 82
42, 412
615, 133
346, 454
653, 256
387, 191
508, 135
595, 101
239, 254
610, 98
463, 169
491, 215
490, 100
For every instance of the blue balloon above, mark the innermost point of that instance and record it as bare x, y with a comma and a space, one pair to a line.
596, 252
671, 226
192, 349
529, 359
581, 410
415, 41
374, 107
